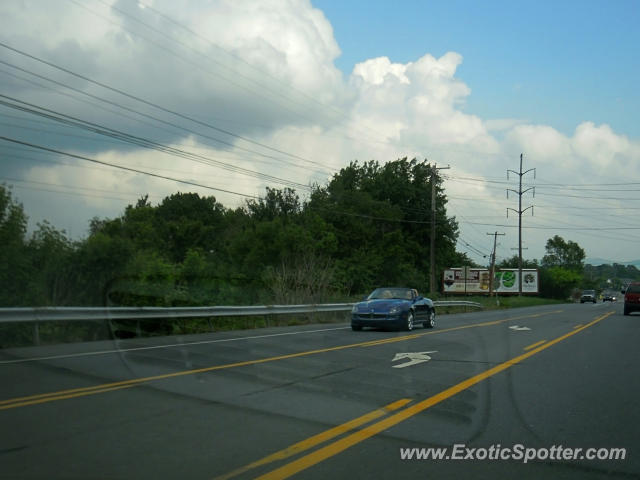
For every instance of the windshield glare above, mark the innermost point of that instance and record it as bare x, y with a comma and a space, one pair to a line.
391, 293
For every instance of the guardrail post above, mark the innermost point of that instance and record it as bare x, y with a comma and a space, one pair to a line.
36, 334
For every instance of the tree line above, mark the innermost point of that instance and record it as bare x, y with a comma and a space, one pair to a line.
368, 226
563, 273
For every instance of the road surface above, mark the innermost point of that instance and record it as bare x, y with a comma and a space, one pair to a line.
321, 401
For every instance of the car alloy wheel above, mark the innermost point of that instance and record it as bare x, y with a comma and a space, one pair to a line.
432, 320
409, 325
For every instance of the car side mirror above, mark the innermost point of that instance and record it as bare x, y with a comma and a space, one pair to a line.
622, 291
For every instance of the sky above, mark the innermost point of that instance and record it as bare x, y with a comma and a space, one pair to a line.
238, 95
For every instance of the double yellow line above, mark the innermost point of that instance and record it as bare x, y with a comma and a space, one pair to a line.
108, 387
63, 395
358, 436
311, 442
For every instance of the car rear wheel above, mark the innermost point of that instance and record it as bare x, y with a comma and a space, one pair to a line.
431, 322
409, 325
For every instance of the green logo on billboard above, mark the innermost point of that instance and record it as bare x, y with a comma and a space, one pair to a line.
508, 279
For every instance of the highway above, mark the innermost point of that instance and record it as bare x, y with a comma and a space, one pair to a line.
321, 401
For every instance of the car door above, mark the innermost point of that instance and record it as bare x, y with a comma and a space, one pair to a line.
421, 308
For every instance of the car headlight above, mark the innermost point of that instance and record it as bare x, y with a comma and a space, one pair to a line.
355, 308
394, 310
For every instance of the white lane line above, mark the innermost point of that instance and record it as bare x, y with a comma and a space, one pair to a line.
154, 347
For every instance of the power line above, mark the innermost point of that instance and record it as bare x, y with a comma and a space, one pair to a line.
121, 167
151, 104
263, 73
541, 185
77, 99
553, 227
471, 247
192, 63
89, 167
142, 142
82, 190
75, 194
80, 157
144, 115
565, 195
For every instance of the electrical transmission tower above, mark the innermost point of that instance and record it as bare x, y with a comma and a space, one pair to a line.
520, 211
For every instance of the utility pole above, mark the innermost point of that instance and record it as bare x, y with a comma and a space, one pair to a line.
520, 211
492, 269
432, 250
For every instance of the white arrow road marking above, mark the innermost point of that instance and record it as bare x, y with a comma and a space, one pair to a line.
516, 327
415, 357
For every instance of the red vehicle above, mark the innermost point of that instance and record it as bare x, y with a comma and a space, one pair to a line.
632, 298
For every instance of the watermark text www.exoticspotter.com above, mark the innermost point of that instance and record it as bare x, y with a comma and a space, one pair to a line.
516, 452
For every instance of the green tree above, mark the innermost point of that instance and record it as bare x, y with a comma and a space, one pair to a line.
513, 262
563, 267
50, 254
561, 253
381, 216
558, 282
186, 220
15, 268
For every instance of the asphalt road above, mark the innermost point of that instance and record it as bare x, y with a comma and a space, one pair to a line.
322, 401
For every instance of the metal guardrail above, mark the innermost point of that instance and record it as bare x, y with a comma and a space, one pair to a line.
457, 303
52, 314
42, 314
37, 315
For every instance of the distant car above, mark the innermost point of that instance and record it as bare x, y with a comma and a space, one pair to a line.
609, 298
393, 307
632, 298
588, 296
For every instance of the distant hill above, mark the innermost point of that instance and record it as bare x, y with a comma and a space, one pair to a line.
601, 261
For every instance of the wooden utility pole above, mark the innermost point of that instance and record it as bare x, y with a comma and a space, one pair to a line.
492, 268
432, 250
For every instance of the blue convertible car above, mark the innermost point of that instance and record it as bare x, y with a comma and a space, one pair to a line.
393, 307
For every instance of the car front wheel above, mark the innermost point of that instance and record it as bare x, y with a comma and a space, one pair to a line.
356, 328
409, 325
431, 322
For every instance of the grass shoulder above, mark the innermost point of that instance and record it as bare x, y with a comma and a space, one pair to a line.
496, 303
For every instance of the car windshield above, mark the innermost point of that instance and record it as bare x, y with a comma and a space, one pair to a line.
389, 293
589, 292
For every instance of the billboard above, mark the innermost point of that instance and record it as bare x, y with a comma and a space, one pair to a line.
477, 280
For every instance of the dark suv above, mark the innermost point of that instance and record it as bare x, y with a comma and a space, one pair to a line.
632, 298
588, 296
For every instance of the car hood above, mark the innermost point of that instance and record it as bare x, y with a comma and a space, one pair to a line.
381, 305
